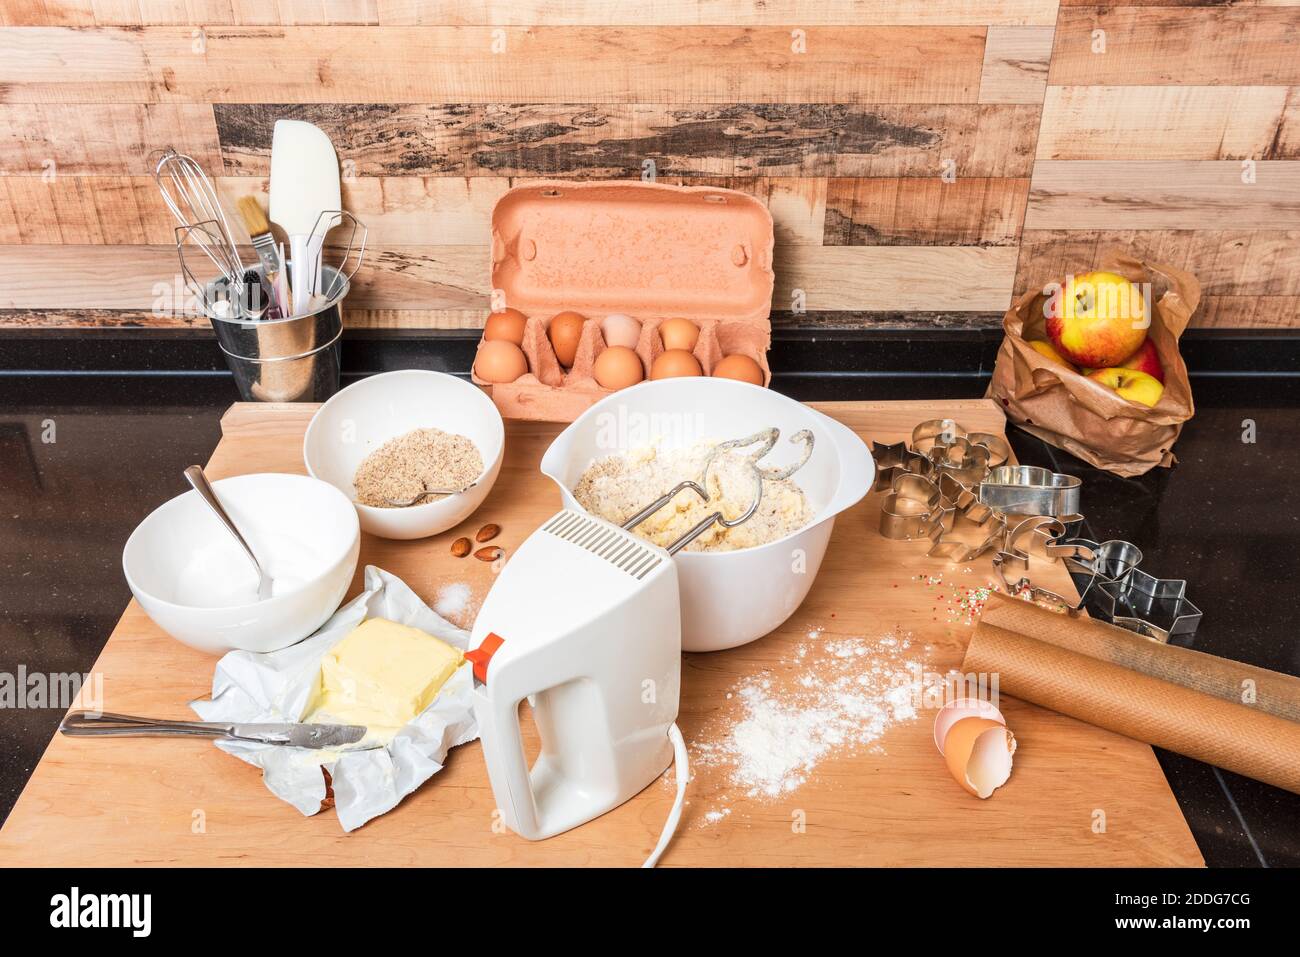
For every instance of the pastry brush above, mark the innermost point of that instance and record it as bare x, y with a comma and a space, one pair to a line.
259, 231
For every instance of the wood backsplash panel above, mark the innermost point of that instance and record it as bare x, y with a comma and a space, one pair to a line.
922, 159
474, 64
589, 140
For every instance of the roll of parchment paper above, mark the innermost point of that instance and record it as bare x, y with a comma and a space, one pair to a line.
1232, 715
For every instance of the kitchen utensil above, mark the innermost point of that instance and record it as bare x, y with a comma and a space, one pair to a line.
258, 299
259, 230
1028, 490
584, 621
193, 579
1175, 698
936, 433
313, 736
1153, 607
912, 508
426, 493
194, 475
190, 195
353, 253
894, 460
290, 359
586, 612
768, 439
727, 598
369, 412
304, 184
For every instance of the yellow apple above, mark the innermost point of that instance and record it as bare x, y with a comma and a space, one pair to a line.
1131, 384
1043, 347
1098, 321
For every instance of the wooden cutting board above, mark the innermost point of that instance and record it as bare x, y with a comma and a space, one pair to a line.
1078, 796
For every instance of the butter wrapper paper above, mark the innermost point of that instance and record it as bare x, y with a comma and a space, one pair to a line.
278, 686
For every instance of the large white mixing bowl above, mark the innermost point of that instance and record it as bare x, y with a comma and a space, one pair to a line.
728, 598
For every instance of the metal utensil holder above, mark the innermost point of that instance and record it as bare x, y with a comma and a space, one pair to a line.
296, 358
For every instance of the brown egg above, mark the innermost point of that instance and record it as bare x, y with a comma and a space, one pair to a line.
507, 326
500, 361
739, 367
618, 367
564, 331
675, 363
679, 334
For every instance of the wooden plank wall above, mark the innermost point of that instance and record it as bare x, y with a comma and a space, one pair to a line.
923, 159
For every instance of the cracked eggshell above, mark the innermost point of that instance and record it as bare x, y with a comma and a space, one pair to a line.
954, 711
978, 754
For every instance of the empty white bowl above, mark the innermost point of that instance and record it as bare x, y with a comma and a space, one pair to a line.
366, 414
191, 578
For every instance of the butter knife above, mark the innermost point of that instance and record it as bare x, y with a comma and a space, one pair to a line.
315, 736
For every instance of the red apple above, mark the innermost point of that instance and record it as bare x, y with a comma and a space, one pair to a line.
1147, 360
1130, 384
1097, 320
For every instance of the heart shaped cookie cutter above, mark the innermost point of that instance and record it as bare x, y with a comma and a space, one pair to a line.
1029, 490
912, 508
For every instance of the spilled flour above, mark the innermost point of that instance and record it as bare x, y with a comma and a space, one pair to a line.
831, 697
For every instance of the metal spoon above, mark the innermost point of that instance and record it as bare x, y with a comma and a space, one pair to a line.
395, 503
194, 475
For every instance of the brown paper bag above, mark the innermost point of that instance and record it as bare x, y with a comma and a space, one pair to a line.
1086, 419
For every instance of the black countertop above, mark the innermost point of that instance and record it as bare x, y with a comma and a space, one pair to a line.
83, 458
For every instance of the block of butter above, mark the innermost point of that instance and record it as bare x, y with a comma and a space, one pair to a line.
382, 675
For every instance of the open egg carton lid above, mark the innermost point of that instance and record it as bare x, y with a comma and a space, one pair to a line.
648, 250
644, 249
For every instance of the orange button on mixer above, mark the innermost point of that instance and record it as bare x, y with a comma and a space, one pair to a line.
483, 654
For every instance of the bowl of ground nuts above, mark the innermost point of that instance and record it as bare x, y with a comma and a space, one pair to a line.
415, 451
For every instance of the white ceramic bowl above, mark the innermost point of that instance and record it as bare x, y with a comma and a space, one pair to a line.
191, 578
368, 413
728, 598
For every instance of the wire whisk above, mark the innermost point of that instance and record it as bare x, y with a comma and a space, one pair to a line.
192, 198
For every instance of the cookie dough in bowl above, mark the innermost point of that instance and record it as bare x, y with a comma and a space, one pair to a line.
733, 590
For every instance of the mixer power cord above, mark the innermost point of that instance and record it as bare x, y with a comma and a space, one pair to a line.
681, 767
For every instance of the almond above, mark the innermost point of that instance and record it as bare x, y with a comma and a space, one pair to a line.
487, 533
489, 554
460, 547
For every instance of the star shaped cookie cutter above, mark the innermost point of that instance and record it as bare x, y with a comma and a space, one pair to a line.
897, 459
1155, 608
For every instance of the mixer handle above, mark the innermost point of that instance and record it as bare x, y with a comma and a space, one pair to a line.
503, 751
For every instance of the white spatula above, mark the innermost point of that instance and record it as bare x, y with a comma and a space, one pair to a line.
304, 183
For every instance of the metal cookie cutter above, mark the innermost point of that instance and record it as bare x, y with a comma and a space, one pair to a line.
1156, 608
1029, 490
912, 508
934, 433
966, 532
962, 460
1107, 562
1041, 534
768, 439
895, 460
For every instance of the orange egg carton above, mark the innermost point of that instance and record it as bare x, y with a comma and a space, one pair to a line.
645, 250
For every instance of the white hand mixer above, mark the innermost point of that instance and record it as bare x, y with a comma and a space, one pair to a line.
585, 622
